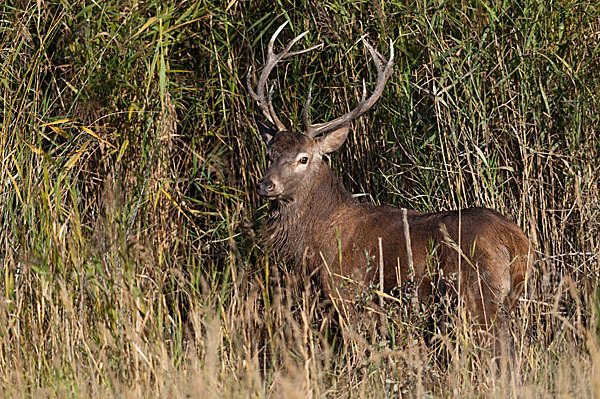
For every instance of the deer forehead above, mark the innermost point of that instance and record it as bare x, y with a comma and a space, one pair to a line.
291, 143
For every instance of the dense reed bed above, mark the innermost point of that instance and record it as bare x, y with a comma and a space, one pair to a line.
130, 249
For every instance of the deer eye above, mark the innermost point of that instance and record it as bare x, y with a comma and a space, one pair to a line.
303, 160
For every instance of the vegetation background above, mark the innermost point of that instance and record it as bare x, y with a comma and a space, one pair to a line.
129, 242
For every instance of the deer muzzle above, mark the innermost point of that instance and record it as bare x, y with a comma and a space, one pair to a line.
267, 188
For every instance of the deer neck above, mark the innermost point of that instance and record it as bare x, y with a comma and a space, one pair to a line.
298, 228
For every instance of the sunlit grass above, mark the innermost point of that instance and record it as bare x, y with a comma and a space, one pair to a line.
132, 264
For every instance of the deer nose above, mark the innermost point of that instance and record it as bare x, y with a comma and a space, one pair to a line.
265, 186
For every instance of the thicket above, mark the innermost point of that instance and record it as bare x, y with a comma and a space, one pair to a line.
130, 247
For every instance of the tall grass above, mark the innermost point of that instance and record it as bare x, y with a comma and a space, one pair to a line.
129, 243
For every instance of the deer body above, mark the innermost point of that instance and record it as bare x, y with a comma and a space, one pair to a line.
481, 255
332, 233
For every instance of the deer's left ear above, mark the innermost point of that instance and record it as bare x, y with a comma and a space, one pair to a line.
266, 132
333, 140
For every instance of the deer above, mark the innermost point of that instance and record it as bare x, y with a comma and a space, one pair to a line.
316, 223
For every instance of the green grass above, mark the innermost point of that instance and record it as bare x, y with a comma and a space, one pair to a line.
130, 249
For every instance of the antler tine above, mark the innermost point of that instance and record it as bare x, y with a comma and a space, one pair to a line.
266, 104
276, 120
313, 130
306, 109
306, 50
384, 71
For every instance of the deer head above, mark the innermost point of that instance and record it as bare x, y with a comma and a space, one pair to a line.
295, 158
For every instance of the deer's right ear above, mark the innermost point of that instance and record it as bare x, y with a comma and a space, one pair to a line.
333, 140
266, 132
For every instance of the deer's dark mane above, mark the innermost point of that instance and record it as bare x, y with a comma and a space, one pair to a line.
297, 229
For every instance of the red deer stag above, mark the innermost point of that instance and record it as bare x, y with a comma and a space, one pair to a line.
318, 223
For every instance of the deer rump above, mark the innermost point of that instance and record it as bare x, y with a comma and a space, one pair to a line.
316, 222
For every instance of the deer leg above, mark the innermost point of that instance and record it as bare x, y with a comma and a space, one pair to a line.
493, 326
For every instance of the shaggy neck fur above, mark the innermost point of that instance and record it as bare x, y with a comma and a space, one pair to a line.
297, 229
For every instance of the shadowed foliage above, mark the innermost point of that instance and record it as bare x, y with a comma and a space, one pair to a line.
129, 250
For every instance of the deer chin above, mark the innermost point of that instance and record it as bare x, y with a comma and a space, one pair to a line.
270, 195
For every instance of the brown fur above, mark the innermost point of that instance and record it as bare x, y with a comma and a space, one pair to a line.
316, 222
477, 253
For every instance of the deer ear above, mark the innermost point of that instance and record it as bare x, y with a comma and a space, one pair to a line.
333, 140
266, 132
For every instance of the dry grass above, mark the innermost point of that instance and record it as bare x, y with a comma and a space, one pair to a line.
130, 258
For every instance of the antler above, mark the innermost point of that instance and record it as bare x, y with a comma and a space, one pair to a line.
266, 104
384, 70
